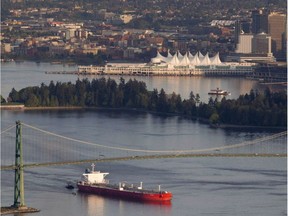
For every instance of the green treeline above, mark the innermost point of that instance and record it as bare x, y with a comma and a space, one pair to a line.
267, 109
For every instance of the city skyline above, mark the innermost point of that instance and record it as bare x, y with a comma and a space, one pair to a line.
48, 30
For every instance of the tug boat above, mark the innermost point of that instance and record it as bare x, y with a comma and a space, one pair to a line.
70, 185
218, 92
94, 182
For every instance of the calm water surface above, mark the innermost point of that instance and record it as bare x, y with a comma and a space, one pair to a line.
201, 186
23, 74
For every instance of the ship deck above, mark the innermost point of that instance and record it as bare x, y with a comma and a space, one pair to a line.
125, 188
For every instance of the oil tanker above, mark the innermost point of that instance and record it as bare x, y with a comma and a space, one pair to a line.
94, 182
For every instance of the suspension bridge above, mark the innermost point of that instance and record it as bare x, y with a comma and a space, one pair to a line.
31, 147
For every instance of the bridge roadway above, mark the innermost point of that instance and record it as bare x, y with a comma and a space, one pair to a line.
145, 157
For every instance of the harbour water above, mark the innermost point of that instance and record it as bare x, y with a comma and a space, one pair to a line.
23, 74
201, 186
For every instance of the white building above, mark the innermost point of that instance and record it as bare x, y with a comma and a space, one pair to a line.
245, 43
187, 59
174, 65
253, 48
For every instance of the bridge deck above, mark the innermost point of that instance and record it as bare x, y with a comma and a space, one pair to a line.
146, 157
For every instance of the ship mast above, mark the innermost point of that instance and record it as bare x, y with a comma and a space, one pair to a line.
93, 167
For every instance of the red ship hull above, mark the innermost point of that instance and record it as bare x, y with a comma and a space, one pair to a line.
131, 194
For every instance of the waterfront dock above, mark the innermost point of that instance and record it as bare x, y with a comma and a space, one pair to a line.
61, 72
15, 210
12, 107
168, 73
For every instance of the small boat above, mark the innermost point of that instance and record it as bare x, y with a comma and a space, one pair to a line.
70, 185
218, 92
94, 182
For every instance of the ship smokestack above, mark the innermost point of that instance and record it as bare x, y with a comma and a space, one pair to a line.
141, 185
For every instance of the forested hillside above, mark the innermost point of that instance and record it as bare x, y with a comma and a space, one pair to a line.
267, 109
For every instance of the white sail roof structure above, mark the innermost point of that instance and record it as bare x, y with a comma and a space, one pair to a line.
186, 60
215, 60
200, 55
195, 60
205, 60
169, 56
180, 56
159, 58
174, 61
190, 56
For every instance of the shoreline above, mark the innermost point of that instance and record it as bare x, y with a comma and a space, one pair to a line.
200, 120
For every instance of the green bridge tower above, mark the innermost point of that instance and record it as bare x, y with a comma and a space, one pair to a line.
19, 204
19, 173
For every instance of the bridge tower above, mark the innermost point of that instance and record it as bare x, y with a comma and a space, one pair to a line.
19, 173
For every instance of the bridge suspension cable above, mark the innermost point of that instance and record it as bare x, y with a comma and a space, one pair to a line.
46, 148
7, 129
245, 143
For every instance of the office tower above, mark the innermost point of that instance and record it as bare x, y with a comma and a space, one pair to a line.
241, 27
261, 44
277, 29
237, 32
246, 25
284, 45
260, 21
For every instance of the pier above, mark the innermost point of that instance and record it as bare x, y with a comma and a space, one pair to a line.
210, 73
61, 72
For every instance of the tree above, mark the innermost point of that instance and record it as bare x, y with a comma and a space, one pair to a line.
32, 101
14, 95
54, 101
81, 92
252, 95
192, 96
44, 95
90, 99
268, 109
214, 118
175, 103
162, 105
197, 99
2, 99
52, 89
153, 100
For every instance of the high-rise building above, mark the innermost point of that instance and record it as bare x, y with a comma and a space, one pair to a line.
241, 27
246, 27
276, 29
261, 44
260, 21
284, 45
